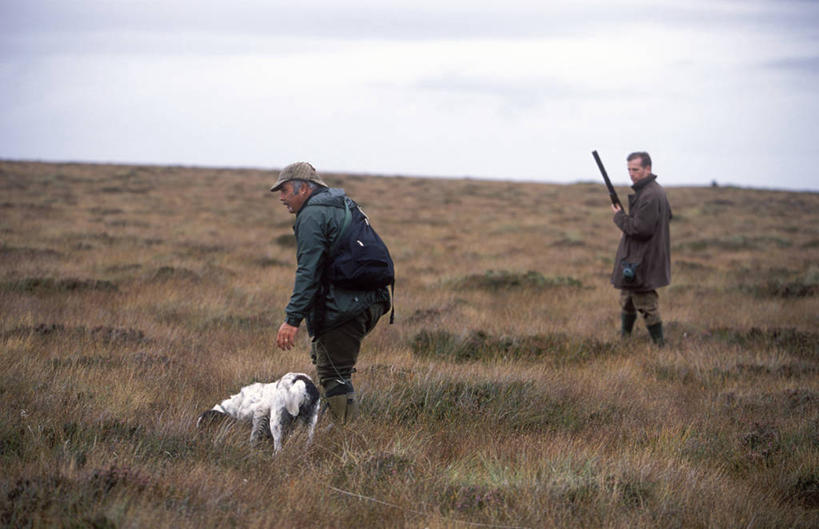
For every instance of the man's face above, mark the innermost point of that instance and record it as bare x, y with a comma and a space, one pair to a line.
293, 201
636, 171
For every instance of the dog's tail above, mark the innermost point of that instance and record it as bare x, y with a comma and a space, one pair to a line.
215, 414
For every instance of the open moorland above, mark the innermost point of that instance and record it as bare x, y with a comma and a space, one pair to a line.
135, 297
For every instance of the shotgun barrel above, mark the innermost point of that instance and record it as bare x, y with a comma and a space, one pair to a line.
615, 200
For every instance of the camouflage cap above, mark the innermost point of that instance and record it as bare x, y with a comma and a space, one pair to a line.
298, 171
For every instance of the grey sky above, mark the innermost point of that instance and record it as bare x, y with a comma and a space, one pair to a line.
718, 90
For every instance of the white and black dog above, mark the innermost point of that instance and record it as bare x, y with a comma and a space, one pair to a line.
273, 408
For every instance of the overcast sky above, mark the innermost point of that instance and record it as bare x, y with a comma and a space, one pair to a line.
715, 90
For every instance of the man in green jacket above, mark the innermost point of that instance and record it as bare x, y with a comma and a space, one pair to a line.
643, 261
337, 319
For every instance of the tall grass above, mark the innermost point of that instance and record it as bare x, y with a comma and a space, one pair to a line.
135, 297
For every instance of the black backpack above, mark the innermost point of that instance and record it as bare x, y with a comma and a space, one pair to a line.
358, 258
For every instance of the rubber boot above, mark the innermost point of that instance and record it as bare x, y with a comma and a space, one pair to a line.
656, 332
343, 408
352, 407
627, 320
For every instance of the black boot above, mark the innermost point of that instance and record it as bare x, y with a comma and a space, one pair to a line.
627, 320
656, 332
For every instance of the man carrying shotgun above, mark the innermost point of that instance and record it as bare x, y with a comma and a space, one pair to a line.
643, 261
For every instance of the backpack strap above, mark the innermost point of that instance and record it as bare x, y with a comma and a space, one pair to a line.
392, 302
348, 217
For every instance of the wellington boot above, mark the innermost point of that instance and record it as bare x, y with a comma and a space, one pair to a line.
352, 407
343, 408
656, 332
627, 320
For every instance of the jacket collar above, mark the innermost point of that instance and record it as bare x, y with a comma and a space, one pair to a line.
644, 182
313, 195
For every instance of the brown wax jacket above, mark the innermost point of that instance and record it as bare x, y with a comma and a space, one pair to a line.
646, 242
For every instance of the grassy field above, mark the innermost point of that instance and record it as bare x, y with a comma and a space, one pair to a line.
133, 298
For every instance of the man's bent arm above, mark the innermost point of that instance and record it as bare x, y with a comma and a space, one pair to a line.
642, 223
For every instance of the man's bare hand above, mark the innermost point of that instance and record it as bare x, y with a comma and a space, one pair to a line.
615, 208
287, 336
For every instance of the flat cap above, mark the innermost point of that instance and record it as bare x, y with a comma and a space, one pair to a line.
298, 171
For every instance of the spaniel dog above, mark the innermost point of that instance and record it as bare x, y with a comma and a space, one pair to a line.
273, 408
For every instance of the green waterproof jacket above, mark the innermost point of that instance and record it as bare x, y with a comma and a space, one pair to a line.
323, 305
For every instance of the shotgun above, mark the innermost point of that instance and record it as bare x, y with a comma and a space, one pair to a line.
615, 200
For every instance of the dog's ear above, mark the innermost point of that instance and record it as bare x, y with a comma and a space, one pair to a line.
293, 397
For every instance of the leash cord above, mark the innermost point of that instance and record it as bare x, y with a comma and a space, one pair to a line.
421, 513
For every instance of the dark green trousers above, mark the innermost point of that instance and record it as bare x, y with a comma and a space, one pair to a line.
335, 352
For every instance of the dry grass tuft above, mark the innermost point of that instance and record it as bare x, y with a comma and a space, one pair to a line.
135, 297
